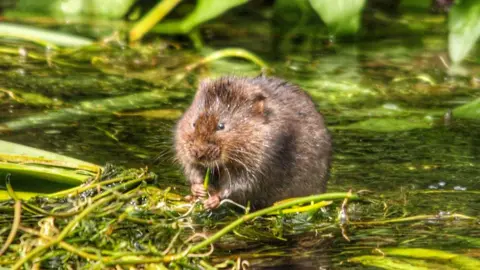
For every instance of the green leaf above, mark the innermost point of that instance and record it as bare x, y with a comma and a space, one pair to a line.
205, 10
35, 33
418, 258
394, 263
341, 16
390, 124
22, 150
39, 171
464, 27
470, 110
93, 107
457, 261
113, 9
416, 4
20, 194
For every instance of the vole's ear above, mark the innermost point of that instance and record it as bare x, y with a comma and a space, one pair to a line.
259, 104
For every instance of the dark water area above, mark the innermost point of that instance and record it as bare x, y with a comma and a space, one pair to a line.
431, 169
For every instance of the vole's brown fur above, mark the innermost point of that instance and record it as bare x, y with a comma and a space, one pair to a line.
273, 143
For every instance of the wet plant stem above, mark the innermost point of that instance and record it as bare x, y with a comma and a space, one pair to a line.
419, 217
268, 210
62, 244
147, 260
206, 180
305, 208
16, 222
37, 210
77, 190
14, 197
121, 186
230, 227
445, 192
153, 17
229, 52
32, 254
34, 209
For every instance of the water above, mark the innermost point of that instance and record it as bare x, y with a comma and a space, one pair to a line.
414, 171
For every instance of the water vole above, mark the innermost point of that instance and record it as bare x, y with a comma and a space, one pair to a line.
262, 139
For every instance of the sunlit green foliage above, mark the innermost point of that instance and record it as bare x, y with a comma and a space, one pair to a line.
342, 16
45, 37
27, 166
94, 8
464, 26
418, 259
204, 11
470, 110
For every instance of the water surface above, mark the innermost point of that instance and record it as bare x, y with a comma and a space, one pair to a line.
414, 170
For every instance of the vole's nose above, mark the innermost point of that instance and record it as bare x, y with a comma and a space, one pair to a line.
205, 152
198, 152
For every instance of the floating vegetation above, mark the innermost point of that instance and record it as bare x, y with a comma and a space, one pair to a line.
125, 217
417, 258
28, 166
122, 218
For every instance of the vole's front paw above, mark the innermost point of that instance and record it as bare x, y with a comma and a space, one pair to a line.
198, 190
212, 202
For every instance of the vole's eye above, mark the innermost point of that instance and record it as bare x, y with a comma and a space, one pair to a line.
220, 126
194, 123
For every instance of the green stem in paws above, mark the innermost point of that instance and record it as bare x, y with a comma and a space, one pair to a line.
206, 179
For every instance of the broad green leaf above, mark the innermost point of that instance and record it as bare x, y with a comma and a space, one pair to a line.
39, 171
35, 33
464, 27
470, 110
46, 170
114, 9
205, 10
22, 150
341, 16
